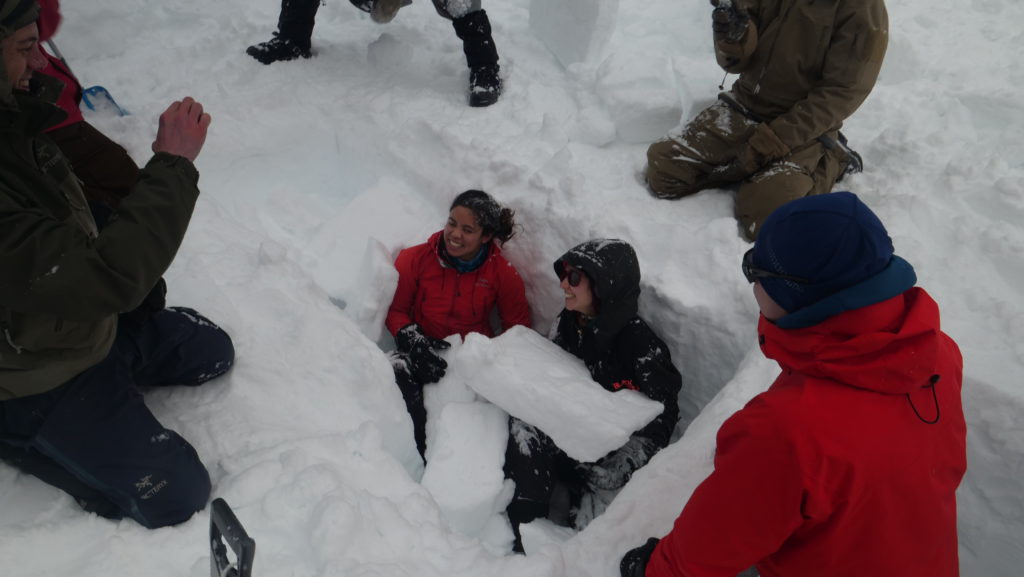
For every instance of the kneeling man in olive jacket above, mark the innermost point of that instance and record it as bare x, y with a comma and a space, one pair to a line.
76, 344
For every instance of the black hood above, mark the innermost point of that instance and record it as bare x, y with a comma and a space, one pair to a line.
614, 272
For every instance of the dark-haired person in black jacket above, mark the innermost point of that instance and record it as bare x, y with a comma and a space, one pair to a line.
600, 325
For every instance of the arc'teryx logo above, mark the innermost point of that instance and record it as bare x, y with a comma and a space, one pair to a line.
147, 483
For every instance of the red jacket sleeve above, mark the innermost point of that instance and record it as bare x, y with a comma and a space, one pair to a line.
400, 311
512, 306
745, 510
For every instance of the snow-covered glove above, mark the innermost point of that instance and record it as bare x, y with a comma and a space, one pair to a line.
615, 469
634, 562
728, 21
400, 364
423, 368
762, 147
425, 365
411, 337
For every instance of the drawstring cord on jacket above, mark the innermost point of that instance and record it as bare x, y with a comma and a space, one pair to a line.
935, 399
10, 341
5, 324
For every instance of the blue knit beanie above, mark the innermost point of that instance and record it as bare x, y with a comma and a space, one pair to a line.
833, 240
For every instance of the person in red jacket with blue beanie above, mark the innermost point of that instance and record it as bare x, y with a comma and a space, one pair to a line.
848, 464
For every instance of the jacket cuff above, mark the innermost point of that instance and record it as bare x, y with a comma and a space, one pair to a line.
177, 163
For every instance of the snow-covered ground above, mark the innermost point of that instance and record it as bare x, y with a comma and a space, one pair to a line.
317, 172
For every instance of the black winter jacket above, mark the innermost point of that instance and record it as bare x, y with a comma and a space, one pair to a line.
619, 348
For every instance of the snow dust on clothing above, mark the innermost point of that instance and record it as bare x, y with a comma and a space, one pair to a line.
621, 352
803, 69
618, 347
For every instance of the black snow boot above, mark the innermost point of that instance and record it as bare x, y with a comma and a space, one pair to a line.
521, 511
482, 57
294, 31
277, 49
850, 160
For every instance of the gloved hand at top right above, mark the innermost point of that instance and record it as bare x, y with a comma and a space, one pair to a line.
615, 469
729, 21
419, 352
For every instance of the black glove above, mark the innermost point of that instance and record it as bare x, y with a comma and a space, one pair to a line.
154, 302
762, 147
411, 337
615, 469
728, 21
746, 163
634, 562
426, 367
419, 350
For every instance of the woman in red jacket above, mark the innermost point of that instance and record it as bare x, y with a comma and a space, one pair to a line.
848, 464
450, 285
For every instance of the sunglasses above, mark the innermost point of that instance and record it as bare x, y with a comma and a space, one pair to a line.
752, 273
573, 274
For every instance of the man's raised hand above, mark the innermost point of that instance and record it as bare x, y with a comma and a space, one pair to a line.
182, 129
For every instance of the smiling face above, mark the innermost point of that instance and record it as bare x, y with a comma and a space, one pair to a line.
579, 298
22, 56
463, 237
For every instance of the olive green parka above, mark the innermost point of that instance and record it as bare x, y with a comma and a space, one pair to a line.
63, 282
806, 65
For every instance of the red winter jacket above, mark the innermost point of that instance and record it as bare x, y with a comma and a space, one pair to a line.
71, 95
445, 302
846, 467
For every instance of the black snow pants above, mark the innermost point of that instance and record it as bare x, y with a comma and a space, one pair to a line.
412, 393
537, 466
94, 438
